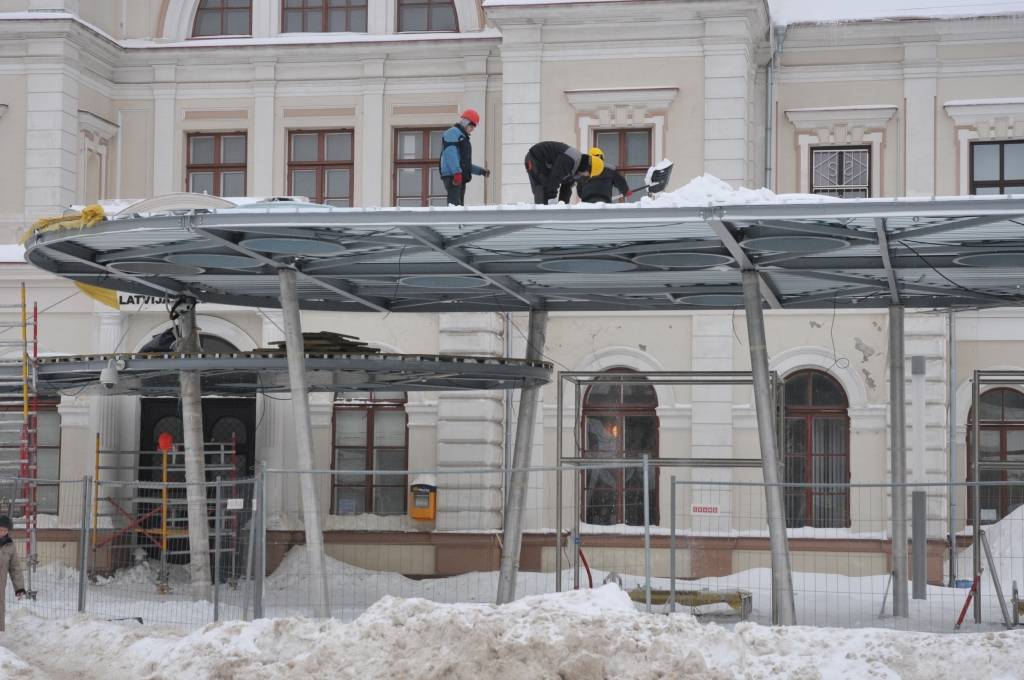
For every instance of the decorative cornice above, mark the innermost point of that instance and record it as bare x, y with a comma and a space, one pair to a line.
597, 99
992, 118
872, 116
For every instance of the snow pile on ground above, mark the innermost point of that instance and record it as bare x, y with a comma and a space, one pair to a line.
581, 635
1006, 539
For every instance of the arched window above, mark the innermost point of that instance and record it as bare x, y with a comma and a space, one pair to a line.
817, 451
222, 17
1002, 439
619, 421
426, 15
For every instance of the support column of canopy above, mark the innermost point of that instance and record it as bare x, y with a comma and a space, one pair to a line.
898, 459
512, 525
782, 579
303, 432
195, 458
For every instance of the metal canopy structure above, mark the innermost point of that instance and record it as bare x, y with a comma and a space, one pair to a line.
865, 253
958, 252
244, 373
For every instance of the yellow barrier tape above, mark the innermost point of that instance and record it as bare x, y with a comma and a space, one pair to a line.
90, 216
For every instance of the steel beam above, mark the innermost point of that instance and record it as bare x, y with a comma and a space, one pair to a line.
724, 233
512, 525
883, 247
782, 579
898, 460
303, 433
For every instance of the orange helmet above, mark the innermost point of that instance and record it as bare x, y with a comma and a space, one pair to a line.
472, 116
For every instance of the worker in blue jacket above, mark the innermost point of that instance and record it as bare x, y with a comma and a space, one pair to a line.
456, 161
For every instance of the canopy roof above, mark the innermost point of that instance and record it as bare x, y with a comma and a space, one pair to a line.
955, 252
244, 373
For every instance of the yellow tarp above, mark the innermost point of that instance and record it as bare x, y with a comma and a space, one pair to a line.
90, 216
102, 295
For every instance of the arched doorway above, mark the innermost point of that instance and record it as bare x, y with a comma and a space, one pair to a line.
816, 451
619, 421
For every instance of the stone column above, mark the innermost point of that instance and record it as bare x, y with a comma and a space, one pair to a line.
165, 176
51, 140
919, 91
520, 125
474, 96
263, 139
371, 181
727, 89
711, 428
469, 431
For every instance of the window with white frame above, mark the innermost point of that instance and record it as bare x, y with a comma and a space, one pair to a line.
222, 17
842, 171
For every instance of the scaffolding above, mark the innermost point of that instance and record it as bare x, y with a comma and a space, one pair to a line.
134, 514
19, 429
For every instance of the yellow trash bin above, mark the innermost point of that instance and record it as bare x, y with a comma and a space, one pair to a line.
423, 498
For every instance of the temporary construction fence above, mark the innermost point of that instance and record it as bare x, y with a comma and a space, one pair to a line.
704, 548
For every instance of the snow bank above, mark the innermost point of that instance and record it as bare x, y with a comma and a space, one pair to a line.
1006, 539
580, 635
709, 190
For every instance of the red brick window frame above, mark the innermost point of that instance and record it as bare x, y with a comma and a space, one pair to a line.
216, 163
416, 180
323, 16
320, 165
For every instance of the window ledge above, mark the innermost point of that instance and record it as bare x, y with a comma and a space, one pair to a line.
875, 116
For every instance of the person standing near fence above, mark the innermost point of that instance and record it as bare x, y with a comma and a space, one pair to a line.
10, 563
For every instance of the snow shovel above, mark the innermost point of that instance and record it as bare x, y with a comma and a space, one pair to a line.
659, 179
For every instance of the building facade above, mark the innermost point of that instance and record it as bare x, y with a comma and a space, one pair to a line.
344, 101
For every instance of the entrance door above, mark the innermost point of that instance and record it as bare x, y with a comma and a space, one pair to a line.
222, 418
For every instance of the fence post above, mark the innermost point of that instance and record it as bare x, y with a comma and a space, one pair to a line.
261, 539
647, 532
83, 544
672, 552
919, 544
217, 524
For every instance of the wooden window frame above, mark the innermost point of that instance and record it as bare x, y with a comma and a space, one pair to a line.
426, 3
621, 410
322, 165
1003, 427
427, 163
621, 132
808, 413
217, 167
371, 407
325, 7
223, 20
1002, 183
838, 147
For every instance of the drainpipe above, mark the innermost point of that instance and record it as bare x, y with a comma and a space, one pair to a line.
951, 461
508, 408
775, 42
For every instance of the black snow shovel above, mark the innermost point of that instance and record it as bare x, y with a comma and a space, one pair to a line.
659, 179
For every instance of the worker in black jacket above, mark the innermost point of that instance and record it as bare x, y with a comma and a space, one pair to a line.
598, 188
553, 168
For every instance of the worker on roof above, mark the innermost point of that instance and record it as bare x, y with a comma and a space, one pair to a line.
598, 187
554, 167
456, 162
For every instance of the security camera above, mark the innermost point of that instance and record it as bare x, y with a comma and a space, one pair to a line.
108, 376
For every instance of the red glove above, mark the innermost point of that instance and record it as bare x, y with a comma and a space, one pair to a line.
457, 178
628, 194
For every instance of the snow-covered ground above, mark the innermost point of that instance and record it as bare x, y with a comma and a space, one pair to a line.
581, 635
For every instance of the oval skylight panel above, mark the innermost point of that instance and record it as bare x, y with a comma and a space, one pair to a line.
214, 261
682, 260
154, 268
584, 265
307, 247
794, 244
443, 281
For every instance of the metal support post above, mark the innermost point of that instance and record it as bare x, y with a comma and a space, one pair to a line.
260, 520
951, 453
303, 432
919, 544
782, 579
195, 459
577, 489
558, 489
218, 523
512, 525
83, 544
898, 446
647, 533
672, 552
976, 492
